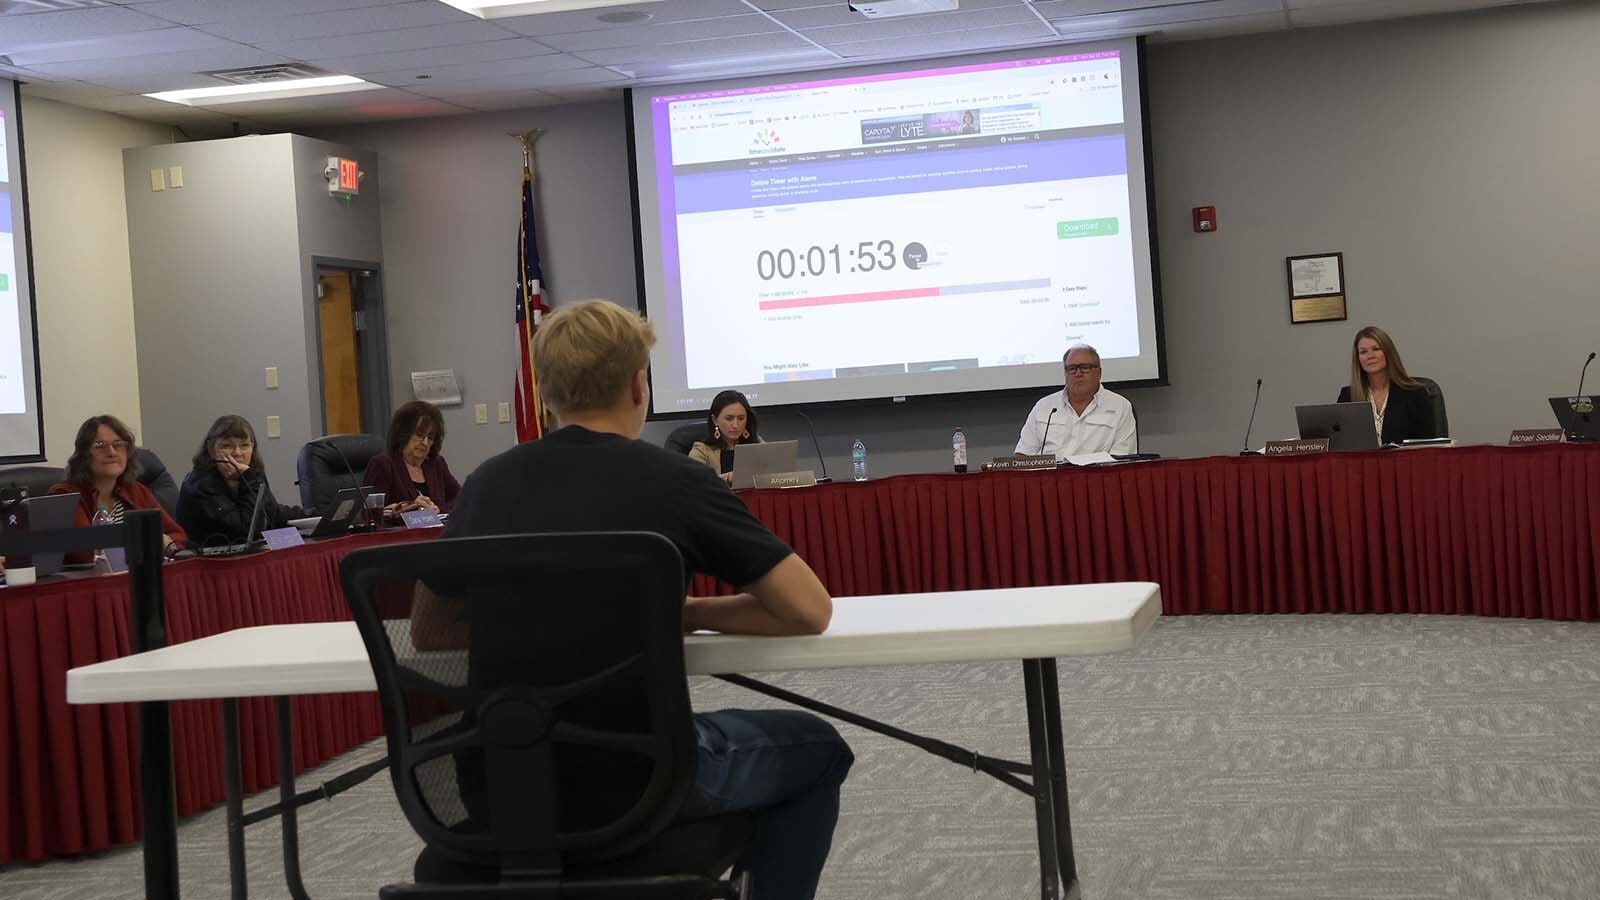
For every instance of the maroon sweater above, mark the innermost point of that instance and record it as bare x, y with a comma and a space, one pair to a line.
387, 472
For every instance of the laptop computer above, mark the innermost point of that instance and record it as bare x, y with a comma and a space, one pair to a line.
1577, 417
252, 538
346, 511
750, 460
52, 512
1347, 426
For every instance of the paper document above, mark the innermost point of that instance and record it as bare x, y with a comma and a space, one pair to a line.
1090, 459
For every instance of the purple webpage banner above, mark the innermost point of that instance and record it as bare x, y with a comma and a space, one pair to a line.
910, 174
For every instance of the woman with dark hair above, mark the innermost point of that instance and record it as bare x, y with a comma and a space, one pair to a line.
218, 497
410, 472
102, 472
1401, 410
730, 422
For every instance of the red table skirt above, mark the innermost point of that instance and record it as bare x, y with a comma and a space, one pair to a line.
1478, 530
69, 774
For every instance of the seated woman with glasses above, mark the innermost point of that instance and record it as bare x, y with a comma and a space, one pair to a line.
730, 422
218, 497
410, 473
102, 472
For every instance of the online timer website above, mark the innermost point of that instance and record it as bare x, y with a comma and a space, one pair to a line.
949, 228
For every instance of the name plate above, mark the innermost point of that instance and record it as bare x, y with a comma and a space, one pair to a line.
1526, 436
1014, 463
422, 518
1298, 447
283, 538
786, 479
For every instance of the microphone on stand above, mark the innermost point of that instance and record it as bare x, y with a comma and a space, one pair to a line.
1253, 404
1046, 438
1585, 373
815, 445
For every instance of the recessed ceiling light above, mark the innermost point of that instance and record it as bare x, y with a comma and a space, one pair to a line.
505, 9
269, 90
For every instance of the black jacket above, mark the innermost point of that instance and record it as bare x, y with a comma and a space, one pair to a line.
1407, 417
214, 515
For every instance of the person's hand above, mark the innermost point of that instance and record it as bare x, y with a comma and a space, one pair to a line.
727, 477
230, 469
424, 502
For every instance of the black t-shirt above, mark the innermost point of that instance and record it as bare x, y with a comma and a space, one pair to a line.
579, 480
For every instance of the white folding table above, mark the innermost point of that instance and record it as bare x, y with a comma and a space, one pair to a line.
1035, 625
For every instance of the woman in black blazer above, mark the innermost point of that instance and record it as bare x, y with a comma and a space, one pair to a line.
1401, 409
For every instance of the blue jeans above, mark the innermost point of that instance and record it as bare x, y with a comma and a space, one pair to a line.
786, 767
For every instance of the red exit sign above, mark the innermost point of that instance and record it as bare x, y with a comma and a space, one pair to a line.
344, 176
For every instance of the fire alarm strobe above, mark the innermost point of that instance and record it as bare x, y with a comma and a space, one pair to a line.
344, 176
1205, 219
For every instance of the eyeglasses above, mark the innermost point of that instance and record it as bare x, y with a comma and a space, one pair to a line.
103, 446
420, 436
228, 447
1082, 368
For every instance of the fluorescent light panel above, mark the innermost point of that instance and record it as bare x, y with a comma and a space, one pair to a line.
269, 90
506, 9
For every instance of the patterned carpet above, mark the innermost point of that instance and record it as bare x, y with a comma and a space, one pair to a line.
1392, 757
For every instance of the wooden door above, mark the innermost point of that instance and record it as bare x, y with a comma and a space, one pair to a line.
341, 383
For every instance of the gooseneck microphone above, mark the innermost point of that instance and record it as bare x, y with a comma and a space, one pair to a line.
1584, 374
1246, 451
1045, 438
817, 445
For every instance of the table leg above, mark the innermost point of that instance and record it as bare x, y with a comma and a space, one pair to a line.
1043, 799
234, 788
1058, 778
290, 818
159, 819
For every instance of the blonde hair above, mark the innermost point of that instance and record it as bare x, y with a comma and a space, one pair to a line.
586, 353
1396, 368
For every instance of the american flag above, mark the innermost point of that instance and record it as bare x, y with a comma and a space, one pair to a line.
531, 310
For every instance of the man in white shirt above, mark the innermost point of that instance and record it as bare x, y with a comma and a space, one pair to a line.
1081, 418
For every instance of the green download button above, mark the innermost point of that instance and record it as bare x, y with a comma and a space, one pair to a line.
1078, 228
5, 282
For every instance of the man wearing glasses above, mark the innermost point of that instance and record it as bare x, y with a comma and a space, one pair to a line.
1082, 417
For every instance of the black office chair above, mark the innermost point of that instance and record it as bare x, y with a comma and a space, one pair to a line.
1441, 421
36, 480
541, 747
684, 436
321, 471
152, 473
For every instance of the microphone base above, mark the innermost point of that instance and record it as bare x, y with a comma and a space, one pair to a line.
1249, 452
824, 480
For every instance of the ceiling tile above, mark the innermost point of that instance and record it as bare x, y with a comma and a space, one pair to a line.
206, 12
919, 26
79, 93
347, 100
161, 71
947, 42
699, 29
427, 58
506, 100
385, 41
841, 14
347, 21
43, 29
533, 81
1232, 25
499, 68
113, 46
751, 48
586, 20
1062, 14
1386, 9
771, 5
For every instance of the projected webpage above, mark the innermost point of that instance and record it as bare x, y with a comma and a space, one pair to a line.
960, 218
13, 393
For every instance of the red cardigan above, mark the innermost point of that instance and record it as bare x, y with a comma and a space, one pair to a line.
387, 472
133, 494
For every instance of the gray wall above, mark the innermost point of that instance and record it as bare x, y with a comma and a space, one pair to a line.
222, 288
1449, 158
450, 206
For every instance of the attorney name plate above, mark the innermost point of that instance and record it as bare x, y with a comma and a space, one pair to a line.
786, 479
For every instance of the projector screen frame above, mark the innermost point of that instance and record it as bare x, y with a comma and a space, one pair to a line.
33, 302
1162, 375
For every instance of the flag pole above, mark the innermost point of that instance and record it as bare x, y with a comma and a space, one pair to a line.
526, 140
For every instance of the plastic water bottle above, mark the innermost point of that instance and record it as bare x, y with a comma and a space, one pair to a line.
101, 561
858, 460
958, 444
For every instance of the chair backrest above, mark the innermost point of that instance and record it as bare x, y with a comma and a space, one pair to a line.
153, 474
1441, 421
36, 480
684, 436
320, 470
533, 691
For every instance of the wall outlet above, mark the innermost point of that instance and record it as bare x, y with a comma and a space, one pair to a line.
272, 378
274, 426
175, 176
480, 413
158, 179
505, 411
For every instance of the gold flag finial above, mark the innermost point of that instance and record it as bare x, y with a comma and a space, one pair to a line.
526, 139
